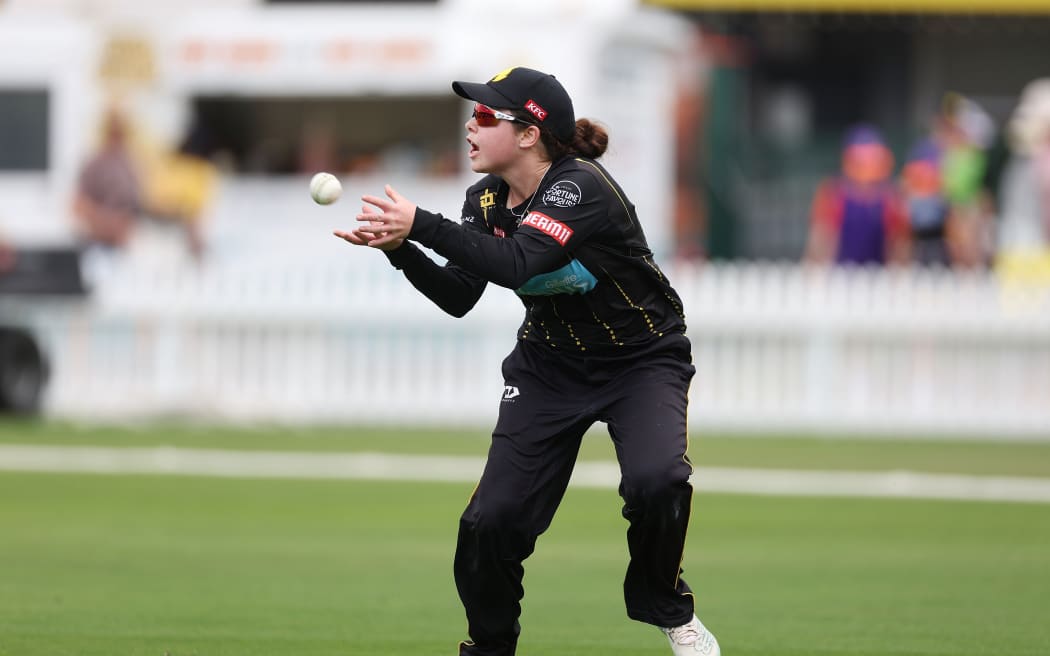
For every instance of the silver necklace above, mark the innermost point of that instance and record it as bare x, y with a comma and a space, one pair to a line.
525, 211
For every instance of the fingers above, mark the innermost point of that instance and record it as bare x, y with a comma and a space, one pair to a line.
383, 222
378, 223
383, 239
381, 203
376, 215
354, 237
372, 228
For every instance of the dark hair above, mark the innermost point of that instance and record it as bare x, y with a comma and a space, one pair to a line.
590, 140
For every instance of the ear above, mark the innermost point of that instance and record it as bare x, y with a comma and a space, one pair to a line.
529, 137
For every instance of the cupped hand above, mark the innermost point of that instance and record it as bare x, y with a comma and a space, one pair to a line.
388, 221
359, 238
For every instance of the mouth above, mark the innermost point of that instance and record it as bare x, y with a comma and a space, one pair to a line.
473, 150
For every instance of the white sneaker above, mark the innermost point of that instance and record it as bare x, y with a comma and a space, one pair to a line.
692, 639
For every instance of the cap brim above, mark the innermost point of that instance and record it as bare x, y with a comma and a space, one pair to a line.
482, 93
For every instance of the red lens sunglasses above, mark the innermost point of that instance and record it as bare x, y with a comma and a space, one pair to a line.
490, 118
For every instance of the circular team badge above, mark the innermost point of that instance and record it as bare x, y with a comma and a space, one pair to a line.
563, 193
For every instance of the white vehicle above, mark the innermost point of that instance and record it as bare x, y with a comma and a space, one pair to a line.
276, 83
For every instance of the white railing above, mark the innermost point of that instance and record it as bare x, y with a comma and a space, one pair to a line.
295, 337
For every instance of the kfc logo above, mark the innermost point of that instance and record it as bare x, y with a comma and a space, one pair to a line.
534, 109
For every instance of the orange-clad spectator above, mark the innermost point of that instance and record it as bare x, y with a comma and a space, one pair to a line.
857, 217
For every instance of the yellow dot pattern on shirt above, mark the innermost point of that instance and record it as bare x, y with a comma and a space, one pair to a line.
528, 328
674, 303
612, 333
634, 306
568, 327
671, 299
547, 334
652, 265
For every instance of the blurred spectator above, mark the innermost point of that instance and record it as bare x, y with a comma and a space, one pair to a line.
857, 216
108, 196
971, 230
182, 186
926, 204
1024, 236
949, 212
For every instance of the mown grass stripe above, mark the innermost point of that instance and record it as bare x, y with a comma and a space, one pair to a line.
383, 466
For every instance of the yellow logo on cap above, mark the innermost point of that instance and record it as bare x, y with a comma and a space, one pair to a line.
502, 74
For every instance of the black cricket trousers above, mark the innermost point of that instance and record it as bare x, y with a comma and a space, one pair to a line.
549, 401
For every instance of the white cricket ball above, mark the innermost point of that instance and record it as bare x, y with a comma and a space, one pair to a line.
325, 188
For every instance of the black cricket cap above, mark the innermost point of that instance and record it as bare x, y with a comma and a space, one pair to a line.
539, 94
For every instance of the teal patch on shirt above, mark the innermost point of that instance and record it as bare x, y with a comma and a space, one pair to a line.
573, 278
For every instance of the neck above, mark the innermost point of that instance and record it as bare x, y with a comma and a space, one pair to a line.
523, 183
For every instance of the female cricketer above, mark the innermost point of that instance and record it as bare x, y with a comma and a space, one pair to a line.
603, 340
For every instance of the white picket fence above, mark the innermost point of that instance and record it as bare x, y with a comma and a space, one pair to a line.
778, 348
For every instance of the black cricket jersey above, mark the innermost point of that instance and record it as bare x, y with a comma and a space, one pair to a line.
575, 254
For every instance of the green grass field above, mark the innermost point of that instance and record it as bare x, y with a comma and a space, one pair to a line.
181, 566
